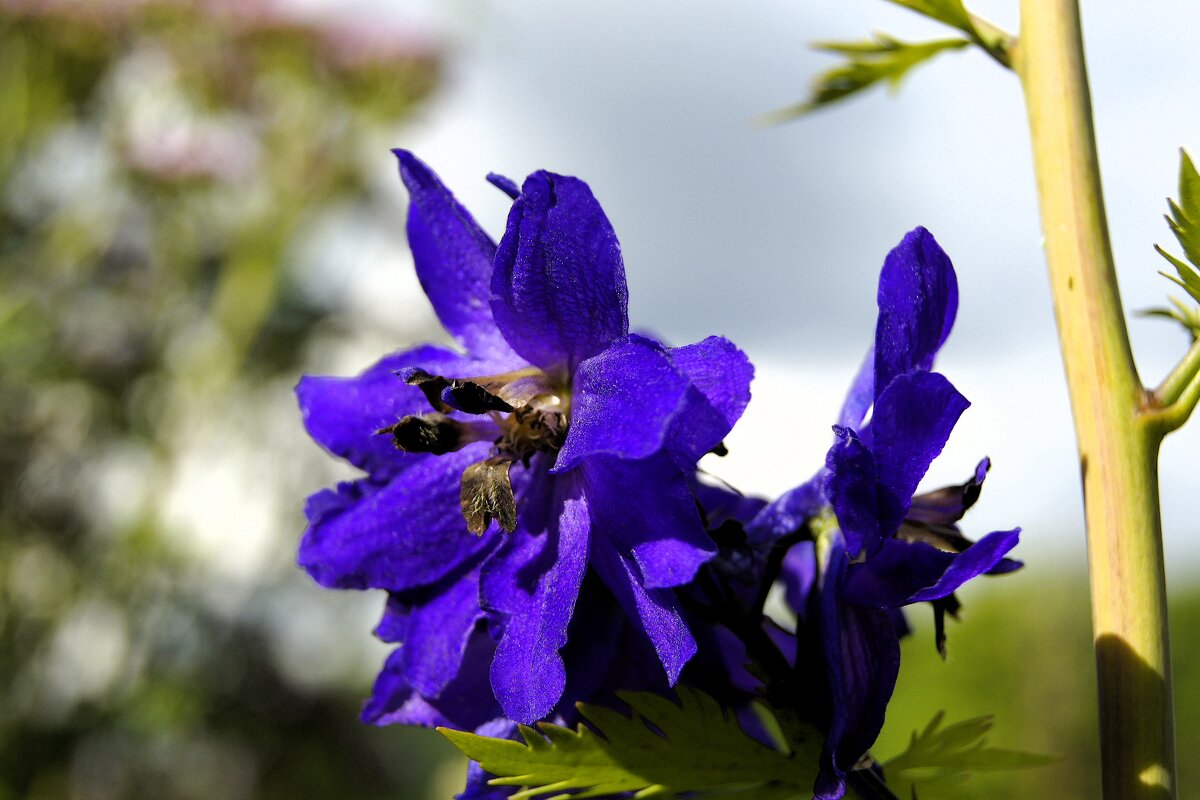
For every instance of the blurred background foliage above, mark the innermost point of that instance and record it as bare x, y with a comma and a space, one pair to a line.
178, 183
163, 168
1022, 653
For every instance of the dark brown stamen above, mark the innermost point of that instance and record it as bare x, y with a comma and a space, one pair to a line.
429, 433
472, 398
941, 607
523, 412
487, 494
447, 393
431, 386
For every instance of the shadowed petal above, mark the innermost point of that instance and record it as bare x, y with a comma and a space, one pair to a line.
464, 703
862, 656
918, 300
532, 583
433, 627
913, 419
594, 652
871, 488
899, 622
868, 512
453, 258
607, 652
393, 701
722, 504
400, 535
981, 557
1005, 566
720, 373
343, 414
798, 574
656, 610
646, 508
789, 511
902, 573
559, 293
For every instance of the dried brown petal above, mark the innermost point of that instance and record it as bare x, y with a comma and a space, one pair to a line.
487, 494
525, 388
946, 505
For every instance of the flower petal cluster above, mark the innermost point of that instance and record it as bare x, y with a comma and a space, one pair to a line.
553, 450
876, 546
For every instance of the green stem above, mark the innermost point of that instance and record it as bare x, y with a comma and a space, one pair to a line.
1183, 374
1176, 397
1171, 418
994, 40
1117, 440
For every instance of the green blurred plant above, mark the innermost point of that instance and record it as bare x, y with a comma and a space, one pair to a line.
160, 165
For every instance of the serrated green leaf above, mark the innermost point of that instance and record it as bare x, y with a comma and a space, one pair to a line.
882, 59
938, 760
1184, 221
1189, 182
1188, 279
1184, 218
662, 749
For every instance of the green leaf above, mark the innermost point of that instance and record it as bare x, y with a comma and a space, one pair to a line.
1186, 215
1186, 315
1184, 218
1184, 221
938, 760
882, 59
661, 750
951, 12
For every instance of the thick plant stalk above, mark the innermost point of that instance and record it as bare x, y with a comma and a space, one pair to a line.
1117, 438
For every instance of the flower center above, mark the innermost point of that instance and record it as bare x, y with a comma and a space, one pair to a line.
523, 413
531, 429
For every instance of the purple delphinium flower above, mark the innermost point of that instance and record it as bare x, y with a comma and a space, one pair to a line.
877, 547
558, 446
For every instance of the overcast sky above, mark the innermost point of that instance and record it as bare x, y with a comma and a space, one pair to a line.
774, 237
